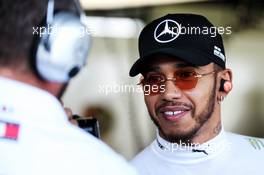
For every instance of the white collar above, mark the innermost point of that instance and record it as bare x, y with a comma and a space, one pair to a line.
190, 153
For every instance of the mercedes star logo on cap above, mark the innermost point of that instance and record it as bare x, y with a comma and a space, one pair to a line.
167, 31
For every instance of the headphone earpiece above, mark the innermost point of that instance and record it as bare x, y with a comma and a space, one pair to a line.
225, 86
222, 83
63, 49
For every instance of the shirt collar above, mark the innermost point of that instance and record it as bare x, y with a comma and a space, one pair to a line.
193, 152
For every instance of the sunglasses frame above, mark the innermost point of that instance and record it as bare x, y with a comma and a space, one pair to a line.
174, 79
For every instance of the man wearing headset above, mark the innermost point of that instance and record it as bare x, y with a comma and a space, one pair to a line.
185, 79
35, 135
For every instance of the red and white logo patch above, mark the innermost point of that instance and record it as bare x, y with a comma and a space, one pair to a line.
9, 130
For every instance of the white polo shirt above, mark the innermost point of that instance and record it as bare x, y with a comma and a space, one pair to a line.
226, 154
37, 139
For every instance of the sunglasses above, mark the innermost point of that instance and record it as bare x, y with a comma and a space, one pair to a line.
183, 79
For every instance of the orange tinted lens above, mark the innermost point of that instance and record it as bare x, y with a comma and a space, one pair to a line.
185, 85
186, 79
153, 79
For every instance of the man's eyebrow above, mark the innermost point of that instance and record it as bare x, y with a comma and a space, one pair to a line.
152, 69
183, 65
177, 65
188, 65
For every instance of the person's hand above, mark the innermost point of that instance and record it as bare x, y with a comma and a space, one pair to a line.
70, 116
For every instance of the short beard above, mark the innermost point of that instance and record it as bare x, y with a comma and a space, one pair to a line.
200, 121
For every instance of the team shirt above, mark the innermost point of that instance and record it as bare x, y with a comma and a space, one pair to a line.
37, 139
227, 154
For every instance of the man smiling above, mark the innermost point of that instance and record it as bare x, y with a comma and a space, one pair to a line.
190, 72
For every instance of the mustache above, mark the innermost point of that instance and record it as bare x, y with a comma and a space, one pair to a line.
174, 103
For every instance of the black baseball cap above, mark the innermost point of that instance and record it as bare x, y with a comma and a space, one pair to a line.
190, 37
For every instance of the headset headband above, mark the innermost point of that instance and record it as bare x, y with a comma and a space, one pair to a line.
50, 11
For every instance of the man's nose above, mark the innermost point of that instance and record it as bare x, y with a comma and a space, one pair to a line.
171, 91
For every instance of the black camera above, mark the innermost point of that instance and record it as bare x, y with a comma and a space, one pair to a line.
90, 125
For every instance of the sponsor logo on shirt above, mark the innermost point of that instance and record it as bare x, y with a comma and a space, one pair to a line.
256, 143
9, 130
6, 109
